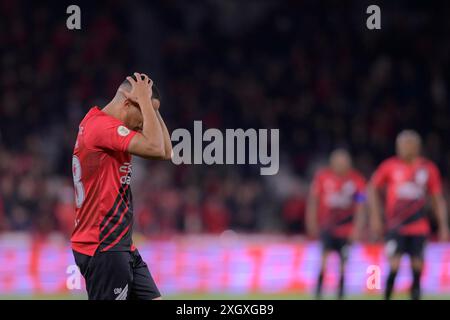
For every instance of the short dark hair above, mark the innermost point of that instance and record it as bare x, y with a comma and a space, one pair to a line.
155, 91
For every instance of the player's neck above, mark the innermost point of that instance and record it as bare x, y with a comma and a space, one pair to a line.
341, 173
409, 160
113, 110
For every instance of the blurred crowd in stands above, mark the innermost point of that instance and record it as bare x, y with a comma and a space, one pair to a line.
314, 72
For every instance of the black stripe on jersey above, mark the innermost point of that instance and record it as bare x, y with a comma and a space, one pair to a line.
345, 220
403, 215
113, 208
115, 219
127, 219
413, 218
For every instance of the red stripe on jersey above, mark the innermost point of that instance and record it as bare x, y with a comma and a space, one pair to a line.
116, 209
118, 222
117, 239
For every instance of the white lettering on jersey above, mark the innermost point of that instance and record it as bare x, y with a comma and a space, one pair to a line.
341, 199
126, 168
413, 190
410, 191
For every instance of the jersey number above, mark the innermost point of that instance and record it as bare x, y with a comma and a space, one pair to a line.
79, 189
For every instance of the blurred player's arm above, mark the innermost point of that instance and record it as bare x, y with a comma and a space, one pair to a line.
312, 226
359, 222
311, 216
149, 143
360, 209
438, 202
377, 182
375, 213
440, 210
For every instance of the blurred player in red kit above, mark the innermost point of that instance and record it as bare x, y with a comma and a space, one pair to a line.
102, 239
407, 179
335, 211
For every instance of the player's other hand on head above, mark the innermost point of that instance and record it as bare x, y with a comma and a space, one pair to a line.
141, 88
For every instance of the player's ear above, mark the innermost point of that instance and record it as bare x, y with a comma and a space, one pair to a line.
126, 105
129, 103
156, 103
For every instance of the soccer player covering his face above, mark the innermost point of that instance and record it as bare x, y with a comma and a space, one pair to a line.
335, 212
102, 239
407, 180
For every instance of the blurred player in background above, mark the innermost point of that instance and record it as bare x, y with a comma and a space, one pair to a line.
102, 240
335, 211
408, 179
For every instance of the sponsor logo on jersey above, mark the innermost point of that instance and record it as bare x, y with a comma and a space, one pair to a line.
342, 198
125, 170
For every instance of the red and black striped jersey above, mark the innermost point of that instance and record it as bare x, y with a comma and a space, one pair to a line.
407, 186
338, 196
101, 167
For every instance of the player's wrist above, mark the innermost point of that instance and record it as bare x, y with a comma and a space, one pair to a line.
143, 101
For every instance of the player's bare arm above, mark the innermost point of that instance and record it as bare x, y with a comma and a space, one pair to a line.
311, 215
165, 131
359, 222
166, 138
149, 143
440, 210
375, 217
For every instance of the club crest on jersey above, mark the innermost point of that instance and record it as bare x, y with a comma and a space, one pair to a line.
123, 131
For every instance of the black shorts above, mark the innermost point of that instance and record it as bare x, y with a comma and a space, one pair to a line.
397, 244
337, 244
116, 275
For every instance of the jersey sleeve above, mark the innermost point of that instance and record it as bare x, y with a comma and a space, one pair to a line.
380, 176
109, 134
434, 181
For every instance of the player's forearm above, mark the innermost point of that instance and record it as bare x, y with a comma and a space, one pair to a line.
374, 205
359, 218
311, 214
152, 130
440, 209
166, 137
